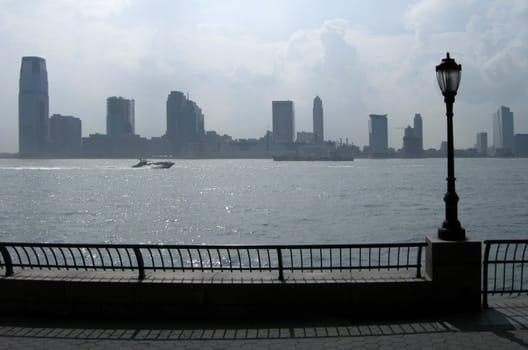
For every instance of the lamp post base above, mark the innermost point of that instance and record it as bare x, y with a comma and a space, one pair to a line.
449, 232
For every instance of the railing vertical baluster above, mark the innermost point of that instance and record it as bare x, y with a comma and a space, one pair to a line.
259, 260
270, 267
249, 259
172, 266
504, 269
311, 259
291, 259
210, 259
230, 260
129, 258
279, 260
201, 259
522, 266
495, 268
182, 264
321, 258
7, 260
485, 274
191, 259
302, 262
220, 259
65, 261
369, 259
360, 262
513, 267
239, 260
388, 258
418, 263
398, 259
340, 259
140, 263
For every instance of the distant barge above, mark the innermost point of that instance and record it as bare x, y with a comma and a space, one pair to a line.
330, 158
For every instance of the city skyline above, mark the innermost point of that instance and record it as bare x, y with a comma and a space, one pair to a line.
356, 56
185, 133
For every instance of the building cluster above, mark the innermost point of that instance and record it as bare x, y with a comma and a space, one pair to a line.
505, 142
185, 136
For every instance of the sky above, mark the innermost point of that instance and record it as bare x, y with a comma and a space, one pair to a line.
233, 57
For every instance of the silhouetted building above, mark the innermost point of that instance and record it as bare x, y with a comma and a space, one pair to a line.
503, 131
119, 117
318, 127
305, 137
413, 139
125, 146
443, 148
283, 121
65, 135
411, 143
185, 120
33, 107
482, 143
378, 135
521, 145
418, 131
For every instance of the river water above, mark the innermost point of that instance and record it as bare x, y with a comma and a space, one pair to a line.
257, 201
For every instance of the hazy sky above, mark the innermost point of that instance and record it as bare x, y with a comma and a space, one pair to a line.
235, 56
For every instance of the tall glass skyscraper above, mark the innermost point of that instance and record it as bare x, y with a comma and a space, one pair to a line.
418, 130
120, 116
318, 128
33, 107
378, 135
283, 121
503, 131
185, 120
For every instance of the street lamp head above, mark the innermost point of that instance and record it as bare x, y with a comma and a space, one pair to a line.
448, 74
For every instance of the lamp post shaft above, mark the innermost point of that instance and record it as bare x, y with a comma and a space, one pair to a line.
451, 229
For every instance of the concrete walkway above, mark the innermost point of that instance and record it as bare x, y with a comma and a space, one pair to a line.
503, 326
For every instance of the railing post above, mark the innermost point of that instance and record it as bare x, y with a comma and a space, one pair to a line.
281, 269
419, 263
485, 275
7, 260
140, 263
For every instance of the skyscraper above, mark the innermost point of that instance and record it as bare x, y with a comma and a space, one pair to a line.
283, 121
418, 131
65, 135
503, 131
185, 120
378, 135
482, 143
120, 119
33, 106
318, 128
413, 139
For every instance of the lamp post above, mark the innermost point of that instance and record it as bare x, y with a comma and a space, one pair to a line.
448, 76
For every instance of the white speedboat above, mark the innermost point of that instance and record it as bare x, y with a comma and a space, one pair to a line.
162, 165
154, 165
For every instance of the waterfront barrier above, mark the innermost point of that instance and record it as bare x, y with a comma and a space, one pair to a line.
505, 268
286, 279
151, 258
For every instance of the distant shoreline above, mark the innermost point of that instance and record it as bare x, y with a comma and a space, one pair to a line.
16, 156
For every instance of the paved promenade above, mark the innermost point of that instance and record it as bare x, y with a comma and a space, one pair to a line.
503, 326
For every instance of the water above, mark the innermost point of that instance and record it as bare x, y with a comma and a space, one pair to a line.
256, 201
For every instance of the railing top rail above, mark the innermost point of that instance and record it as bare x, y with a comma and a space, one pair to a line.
216, 246
505, 241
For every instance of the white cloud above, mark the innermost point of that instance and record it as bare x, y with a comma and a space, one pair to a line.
95, 49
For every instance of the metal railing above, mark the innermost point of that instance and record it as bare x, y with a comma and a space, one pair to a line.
505, 268
196, 258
